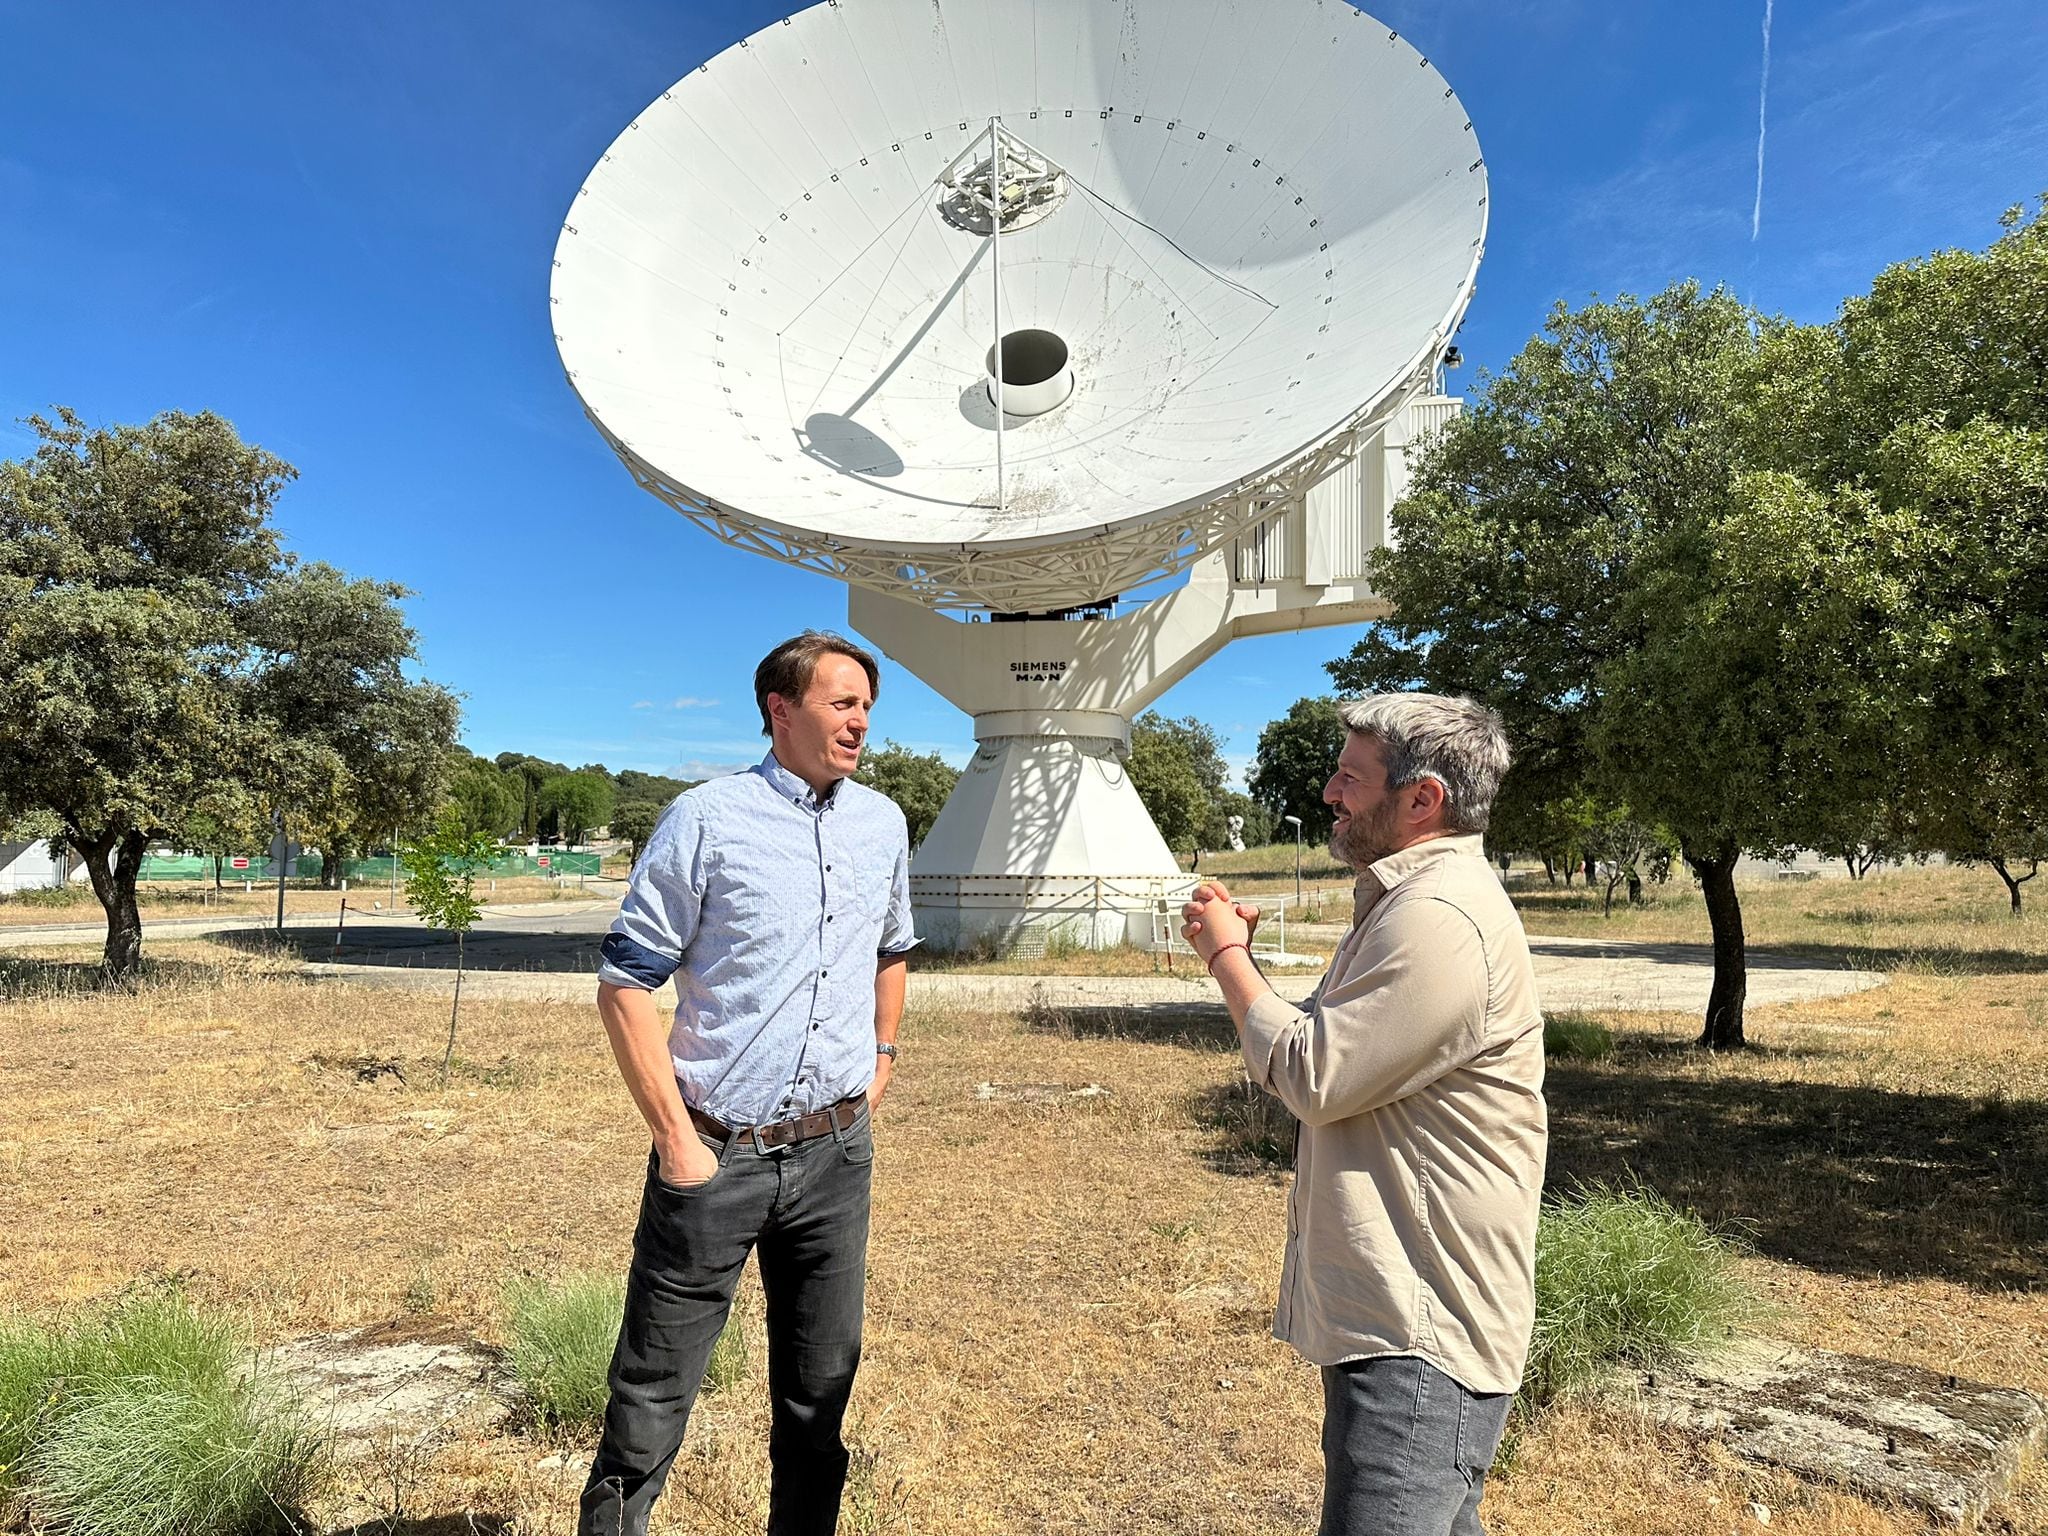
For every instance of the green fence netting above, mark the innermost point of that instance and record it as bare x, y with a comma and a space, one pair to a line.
310, 866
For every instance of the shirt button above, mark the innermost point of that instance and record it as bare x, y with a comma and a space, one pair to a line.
828, 917
823, 974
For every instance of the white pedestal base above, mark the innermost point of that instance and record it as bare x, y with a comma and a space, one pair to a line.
1045, 842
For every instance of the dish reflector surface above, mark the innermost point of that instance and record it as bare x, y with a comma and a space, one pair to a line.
1270, 219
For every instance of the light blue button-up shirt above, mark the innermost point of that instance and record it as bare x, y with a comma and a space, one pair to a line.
770, 908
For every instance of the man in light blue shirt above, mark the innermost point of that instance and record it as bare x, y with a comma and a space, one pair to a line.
779, 901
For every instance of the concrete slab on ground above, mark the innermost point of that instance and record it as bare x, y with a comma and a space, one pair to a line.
1944, 1445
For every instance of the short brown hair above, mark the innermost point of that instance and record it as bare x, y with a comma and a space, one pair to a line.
789, 668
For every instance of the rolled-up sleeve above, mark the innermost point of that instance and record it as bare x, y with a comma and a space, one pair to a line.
1411, 1009
658, 918
899, 929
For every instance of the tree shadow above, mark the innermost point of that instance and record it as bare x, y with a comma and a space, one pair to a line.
1933, 959
23, 977
411, 945
1856, 1181
1195, 1026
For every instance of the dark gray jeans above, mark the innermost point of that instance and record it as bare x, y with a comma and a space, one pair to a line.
1405, 1449
805, 1210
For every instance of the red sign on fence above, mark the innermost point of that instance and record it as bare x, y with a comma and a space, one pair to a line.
239, 861
543, 861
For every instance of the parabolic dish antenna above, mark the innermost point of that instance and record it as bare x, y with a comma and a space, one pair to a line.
1210, 236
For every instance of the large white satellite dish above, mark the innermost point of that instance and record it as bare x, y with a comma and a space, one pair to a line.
1218, 247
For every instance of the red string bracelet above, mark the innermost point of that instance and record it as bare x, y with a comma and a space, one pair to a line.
1224, 949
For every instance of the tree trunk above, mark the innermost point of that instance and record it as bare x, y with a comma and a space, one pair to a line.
455, 1008
1854, 872
1635, 887
2012, 885
332, 851
1716, 871
112, 863
1549, 871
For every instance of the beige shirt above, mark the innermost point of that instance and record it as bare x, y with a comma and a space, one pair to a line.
1417, 1075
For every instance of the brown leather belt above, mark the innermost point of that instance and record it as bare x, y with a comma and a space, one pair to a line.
786, 1133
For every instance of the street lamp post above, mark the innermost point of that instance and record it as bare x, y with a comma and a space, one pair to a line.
1295, 822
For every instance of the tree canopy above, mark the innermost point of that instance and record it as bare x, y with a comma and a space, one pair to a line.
918, 782
580, 802
1297, 754
1767, 585
167, 671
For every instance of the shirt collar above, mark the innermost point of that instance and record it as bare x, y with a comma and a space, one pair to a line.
1405, 862
790, 787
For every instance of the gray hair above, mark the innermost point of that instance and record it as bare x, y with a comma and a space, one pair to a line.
1459, 742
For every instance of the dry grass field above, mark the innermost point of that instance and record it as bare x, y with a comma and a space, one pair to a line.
1069, 1300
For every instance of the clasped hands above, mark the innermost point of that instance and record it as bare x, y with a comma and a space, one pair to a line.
1213, 921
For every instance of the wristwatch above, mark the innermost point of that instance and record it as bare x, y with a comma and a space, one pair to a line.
886, 1048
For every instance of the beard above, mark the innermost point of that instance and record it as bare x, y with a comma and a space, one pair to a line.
1364, 840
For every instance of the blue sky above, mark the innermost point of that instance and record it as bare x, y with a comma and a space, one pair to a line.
333, 225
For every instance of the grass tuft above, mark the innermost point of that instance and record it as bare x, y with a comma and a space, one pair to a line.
1625, 1279
563, 1333
149, 1419
34, 1360
176, 1455
1578, 1037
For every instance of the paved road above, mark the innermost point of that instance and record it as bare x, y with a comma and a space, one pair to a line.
549, 950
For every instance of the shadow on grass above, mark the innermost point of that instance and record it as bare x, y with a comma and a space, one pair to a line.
1855, 1181
464, 1524
23, 977
1932, 960
1196, 1026
488, 948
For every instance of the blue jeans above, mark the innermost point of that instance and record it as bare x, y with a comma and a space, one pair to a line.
1405, 1449
804, 1210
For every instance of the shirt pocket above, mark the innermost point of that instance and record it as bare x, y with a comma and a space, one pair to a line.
874, 879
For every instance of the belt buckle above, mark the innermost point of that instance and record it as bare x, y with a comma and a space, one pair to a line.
772, 1136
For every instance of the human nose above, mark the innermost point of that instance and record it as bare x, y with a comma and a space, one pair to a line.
1331, 794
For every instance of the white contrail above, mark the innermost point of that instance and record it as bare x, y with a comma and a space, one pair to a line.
1763, 98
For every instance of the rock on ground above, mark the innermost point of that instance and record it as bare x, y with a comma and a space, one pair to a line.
1945, 1445
405, 1383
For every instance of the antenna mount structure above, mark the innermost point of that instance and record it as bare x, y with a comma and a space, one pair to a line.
1073, 373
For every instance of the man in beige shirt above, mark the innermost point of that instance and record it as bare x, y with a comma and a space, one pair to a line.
1416, 1070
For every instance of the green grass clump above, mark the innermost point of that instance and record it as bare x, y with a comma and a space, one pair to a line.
150, 1419
34, 1361
1625, 1279
728, 1360
177, 1457
563, 1333
1577, 1036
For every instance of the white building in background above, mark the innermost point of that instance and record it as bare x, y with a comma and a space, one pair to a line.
36, 866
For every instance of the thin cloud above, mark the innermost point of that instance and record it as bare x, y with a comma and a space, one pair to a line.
682, 703
1763, 99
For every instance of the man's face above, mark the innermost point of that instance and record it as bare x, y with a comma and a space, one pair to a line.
818, 737
1368, 813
